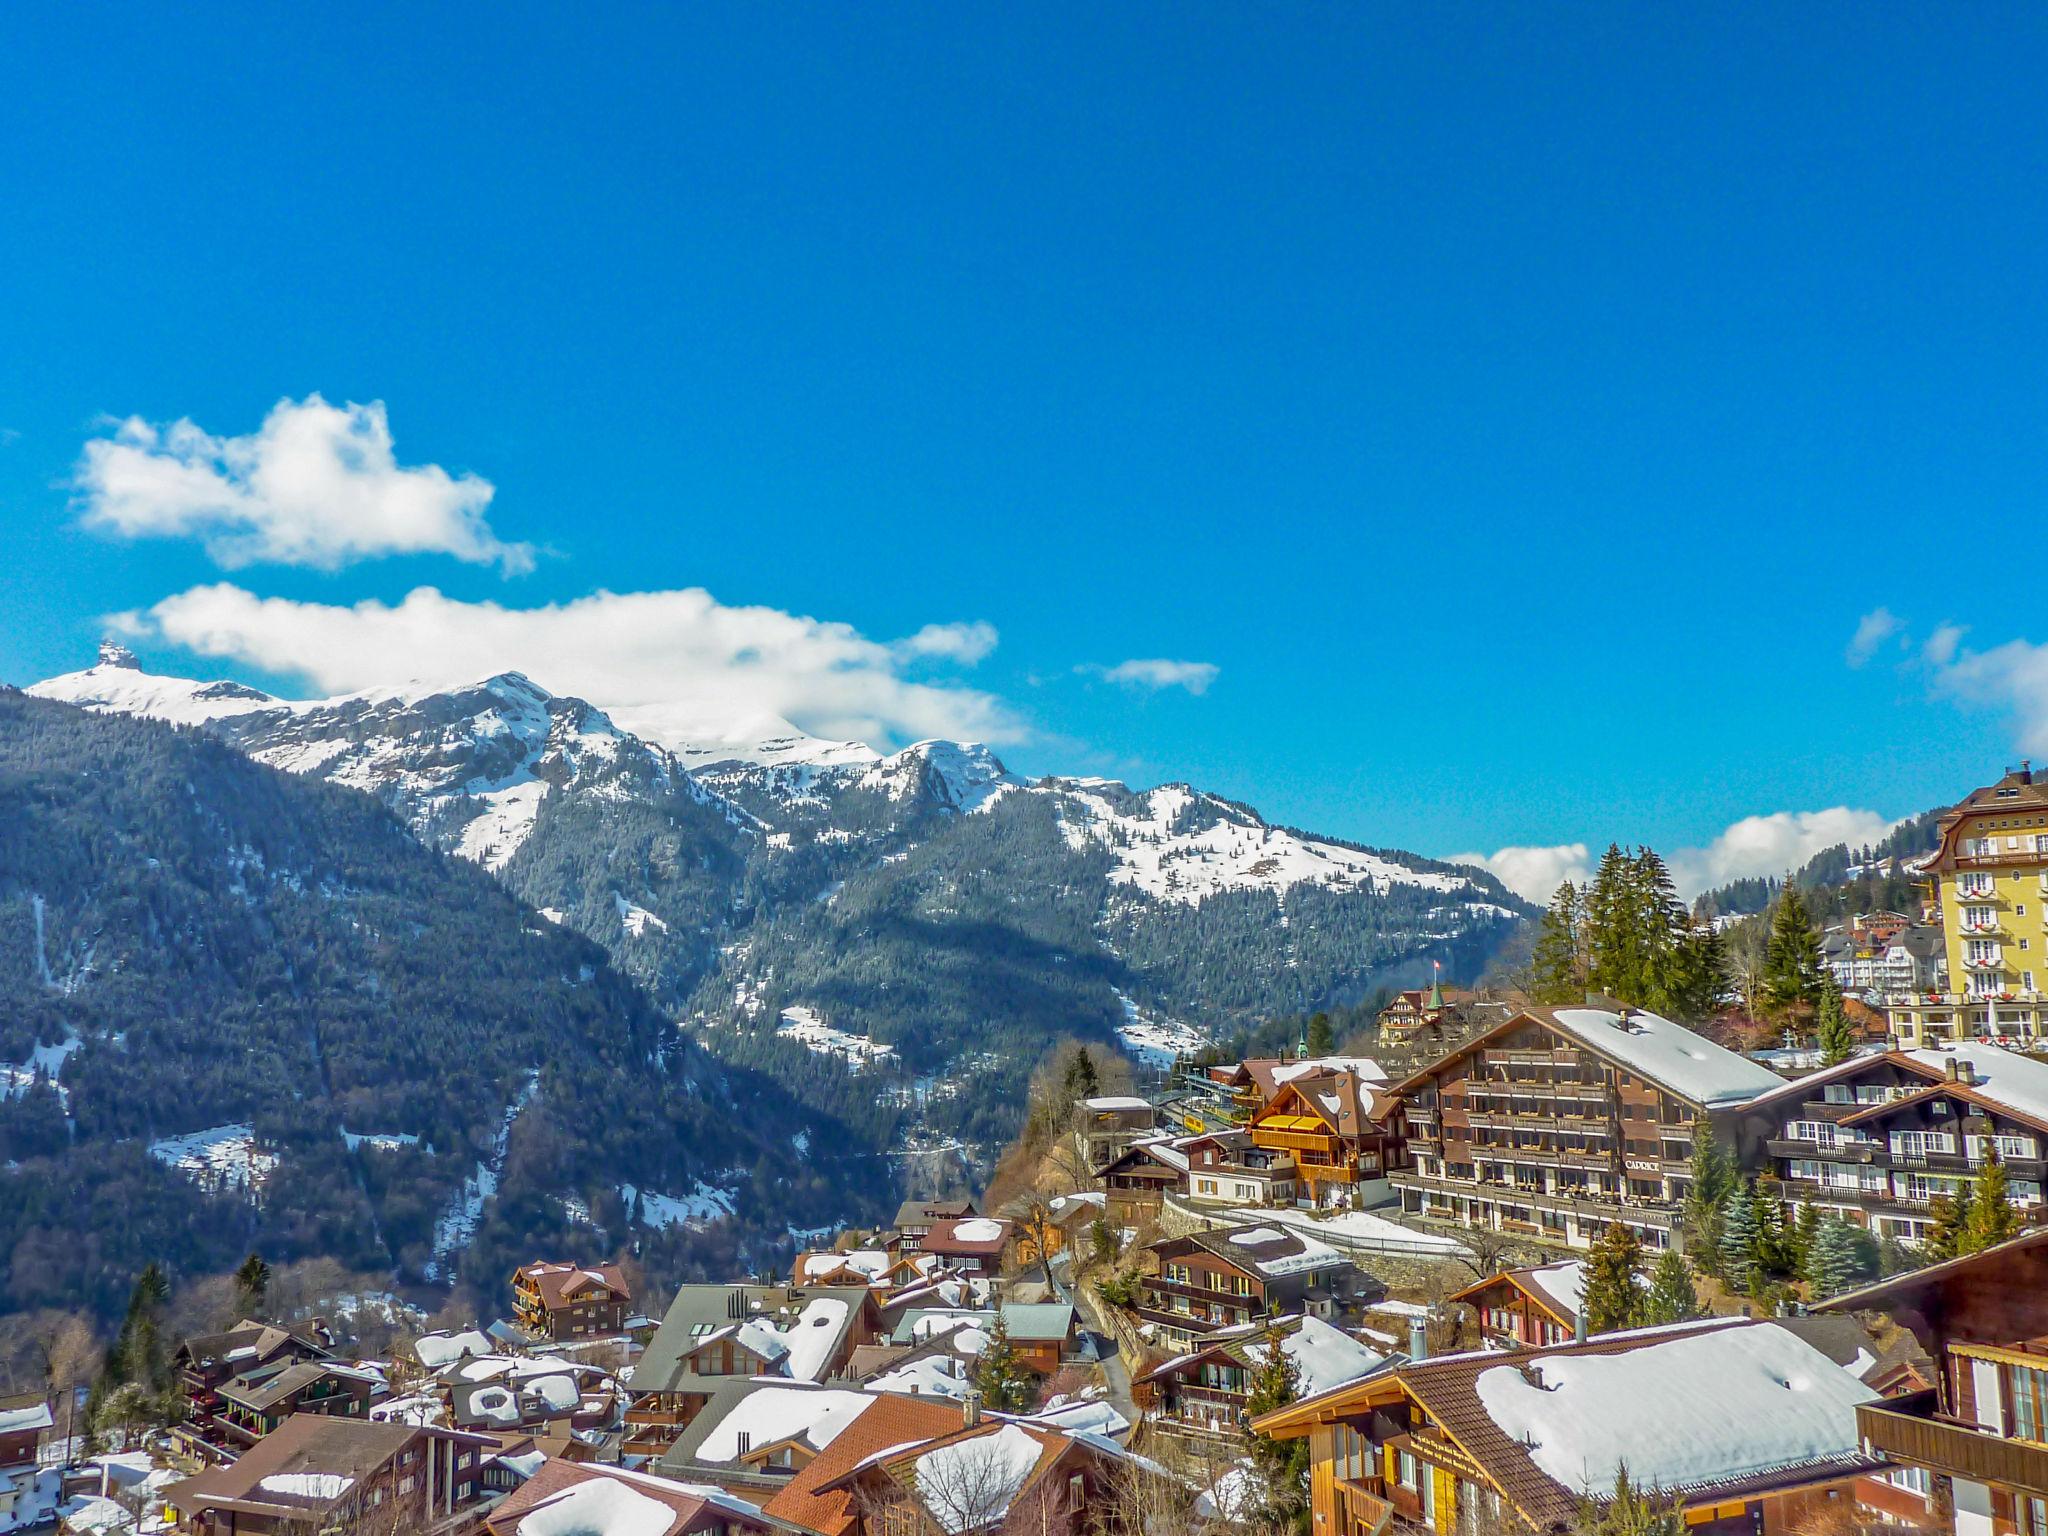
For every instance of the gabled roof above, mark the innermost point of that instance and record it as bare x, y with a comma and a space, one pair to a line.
1163, 1151
1559, 1289
1706, 1410
1678, 1060
588, 1496
1270, 1250
699, 1310
980, 1236
306, 1466
1325, 1357
271, 1390
813, 1497
562, 1285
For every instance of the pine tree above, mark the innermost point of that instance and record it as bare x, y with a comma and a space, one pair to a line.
1837, 1260
1776, 1246
1672, 1297
1279, 1467
1948, 1223
1322, 1040
1559, 975
1804, 1231
1628, 1512
1082, 1080
1792, 963
1612, 1297
1698, 975
1738, 1241
1836, 1035
252, 1284
1711, 1182
1992, 1218
1000, 1376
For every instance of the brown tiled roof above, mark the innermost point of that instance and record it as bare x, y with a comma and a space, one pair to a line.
559, 1284
945, 1237
309, 1443
556, 1479
808, 1500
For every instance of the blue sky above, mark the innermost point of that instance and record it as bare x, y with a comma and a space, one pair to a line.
1518, 408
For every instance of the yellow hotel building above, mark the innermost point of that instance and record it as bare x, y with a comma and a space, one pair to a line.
1990, 877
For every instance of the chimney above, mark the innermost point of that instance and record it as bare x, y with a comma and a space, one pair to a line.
970, 1410
1951, 1069
1964, 1072
1579, 1334
1418, 1339
746, 1444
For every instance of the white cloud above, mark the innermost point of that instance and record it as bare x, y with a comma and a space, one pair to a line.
1942, 645
1773, 844
1158, 672
964, 643
1755, 845
315, 485
2012, 677
1872, 630
676, 665
1534, 874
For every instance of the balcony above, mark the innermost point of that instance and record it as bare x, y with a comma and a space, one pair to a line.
1293, 1139
1362, 1509
1912, 1429
1840, 1152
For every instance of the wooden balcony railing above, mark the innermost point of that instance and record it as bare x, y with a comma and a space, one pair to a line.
1910, 1429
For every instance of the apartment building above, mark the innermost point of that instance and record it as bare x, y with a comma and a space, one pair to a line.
1990, 879
1562, 1120
1876, 1139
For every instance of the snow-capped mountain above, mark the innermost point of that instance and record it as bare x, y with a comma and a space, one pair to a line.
913, 915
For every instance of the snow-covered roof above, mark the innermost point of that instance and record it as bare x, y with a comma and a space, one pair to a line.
1702, 1407
782, 1413
926, 1376
978, 1229
1562, 1284
2005, 1077
1274, 1250
1362, 1067
15, 1421
1118, 1101
1670, 1054
434, 1350
600, 1506
970, 1483
1324, 1356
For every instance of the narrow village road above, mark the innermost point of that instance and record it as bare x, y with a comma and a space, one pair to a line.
1114, 1373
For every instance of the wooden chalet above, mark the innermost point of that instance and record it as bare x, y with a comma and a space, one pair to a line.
1340, 1131
570, 1301
917, 1217
319, 1472
1230, 1168
973, 1245
1980, 1433
1532, 1307
254, 1405
247, 1354
1560, 1121
1221, 1279
1491, 1441
25, 1418
1138, 1180
1876, 1139
1201, 1395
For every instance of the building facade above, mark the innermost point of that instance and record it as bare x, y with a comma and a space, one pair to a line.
1877, 1139
1982, 1429
1563, 1120
1989, 875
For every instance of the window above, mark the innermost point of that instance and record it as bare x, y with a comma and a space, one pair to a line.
2029, 1405
1408, 1475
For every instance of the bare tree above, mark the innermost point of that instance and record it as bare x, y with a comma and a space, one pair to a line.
1486, 1252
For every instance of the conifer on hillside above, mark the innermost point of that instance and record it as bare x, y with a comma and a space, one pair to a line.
1673, 1297
1613, 1297
1836, 1036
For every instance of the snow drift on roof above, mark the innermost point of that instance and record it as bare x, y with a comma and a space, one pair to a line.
1698, 1408
1670, 1054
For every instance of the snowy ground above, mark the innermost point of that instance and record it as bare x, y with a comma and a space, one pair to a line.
458, 1223
697, 1210
225, 1157
1155, 1039
1356, 1230
805, 1027
635, 919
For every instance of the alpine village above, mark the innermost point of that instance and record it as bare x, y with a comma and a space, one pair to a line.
1711, 1221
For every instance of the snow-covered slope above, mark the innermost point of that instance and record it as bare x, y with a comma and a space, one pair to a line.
1176, 844
468, 767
